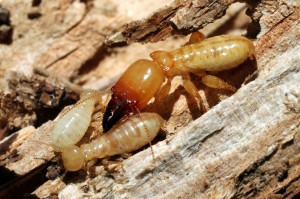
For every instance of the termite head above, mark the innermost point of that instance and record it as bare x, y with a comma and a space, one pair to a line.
165, 61
73, 158
135, 88
100, 97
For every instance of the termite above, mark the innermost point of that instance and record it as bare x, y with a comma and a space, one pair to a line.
144, 78
71, 126
126, 136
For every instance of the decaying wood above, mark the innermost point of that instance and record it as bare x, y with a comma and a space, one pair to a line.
25, 99
244, 147
182, 17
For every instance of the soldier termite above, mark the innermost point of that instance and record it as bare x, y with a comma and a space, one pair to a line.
144, 78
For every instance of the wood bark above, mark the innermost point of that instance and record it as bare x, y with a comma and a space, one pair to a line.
245, 146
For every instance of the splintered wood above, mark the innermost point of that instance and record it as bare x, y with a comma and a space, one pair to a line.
245, 146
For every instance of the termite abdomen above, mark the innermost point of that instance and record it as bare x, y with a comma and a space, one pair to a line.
71, 127
72, 124
127, 136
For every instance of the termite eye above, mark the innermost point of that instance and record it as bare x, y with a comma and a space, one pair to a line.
73, 158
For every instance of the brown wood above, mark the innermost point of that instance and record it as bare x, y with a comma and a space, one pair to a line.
246, 146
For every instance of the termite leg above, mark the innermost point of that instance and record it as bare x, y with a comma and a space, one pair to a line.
199, 73
89, 165
96, 116
196, 37
215, 82
96, 120
126, 155
112, 165
163, 91
192, 90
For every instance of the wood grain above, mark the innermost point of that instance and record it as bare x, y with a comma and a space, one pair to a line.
246, 146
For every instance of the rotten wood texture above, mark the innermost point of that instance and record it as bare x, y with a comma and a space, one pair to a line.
181, 17
247, 146
32, 101
68, 38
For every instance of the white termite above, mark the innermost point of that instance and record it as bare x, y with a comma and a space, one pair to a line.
127, 136
72, 124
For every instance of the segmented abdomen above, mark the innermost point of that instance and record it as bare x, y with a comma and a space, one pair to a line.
130, 135
214, 54
71, 127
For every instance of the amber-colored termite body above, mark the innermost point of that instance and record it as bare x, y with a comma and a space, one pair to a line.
144, 78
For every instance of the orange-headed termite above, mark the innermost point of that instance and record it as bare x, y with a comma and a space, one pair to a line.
144, 78
126, 136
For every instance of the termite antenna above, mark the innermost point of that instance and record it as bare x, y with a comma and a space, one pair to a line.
146, 128
85, 96
63, 175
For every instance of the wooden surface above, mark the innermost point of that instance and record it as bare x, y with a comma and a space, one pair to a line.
246, 146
